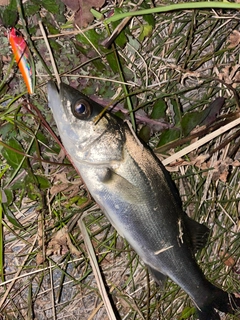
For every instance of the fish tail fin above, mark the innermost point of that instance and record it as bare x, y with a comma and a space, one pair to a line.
221, 301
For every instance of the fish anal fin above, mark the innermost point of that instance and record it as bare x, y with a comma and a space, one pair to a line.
199, 233
159, 277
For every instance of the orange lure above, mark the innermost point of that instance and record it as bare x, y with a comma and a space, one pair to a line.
22, 56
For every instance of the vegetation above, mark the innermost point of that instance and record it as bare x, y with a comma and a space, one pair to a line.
175, 75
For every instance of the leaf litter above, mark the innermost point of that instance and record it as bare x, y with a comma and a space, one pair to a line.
82, 14
44, 248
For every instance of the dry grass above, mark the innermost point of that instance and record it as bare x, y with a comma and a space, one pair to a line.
187, 61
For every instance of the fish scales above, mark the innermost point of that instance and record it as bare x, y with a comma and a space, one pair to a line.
154, 223
137, 195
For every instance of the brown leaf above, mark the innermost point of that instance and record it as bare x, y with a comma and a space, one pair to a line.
58, 243
229, 261
63, 184
230, 75
4, 2
40, 258
58, 188
220, 171
236, 163
234, 39
71, 247
74, 5
61, 243
222, 168
83, 16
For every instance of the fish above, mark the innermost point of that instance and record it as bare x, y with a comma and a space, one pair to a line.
137, 195
22, 56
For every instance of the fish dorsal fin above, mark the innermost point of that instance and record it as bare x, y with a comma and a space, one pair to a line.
198, 232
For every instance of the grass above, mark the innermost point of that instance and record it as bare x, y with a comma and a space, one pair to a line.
168, 68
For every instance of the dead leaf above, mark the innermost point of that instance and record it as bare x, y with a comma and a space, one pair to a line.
200, 161
234, 39
63, 184
71, 247
58, 243
196, 130
74, 5
58, 188
222, 168
224, 172
39, 258
229, 261
4, 2
230, 75
62, 177
61, 243
236, 163
220, 171
83, 16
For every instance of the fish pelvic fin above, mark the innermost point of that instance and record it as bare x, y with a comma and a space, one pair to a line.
221, 301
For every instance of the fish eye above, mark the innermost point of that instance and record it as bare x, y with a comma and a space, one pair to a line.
81, 109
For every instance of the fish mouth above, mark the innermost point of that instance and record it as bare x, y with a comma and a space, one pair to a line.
54, 101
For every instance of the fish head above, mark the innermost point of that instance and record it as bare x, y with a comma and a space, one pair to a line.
84, 136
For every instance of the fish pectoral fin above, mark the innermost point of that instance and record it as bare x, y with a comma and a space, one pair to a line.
199, 233
125, 190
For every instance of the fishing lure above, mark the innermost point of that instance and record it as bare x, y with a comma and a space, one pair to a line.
22, 56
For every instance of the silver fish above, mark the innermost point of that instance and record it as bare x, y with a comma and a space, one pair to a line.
137, 195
